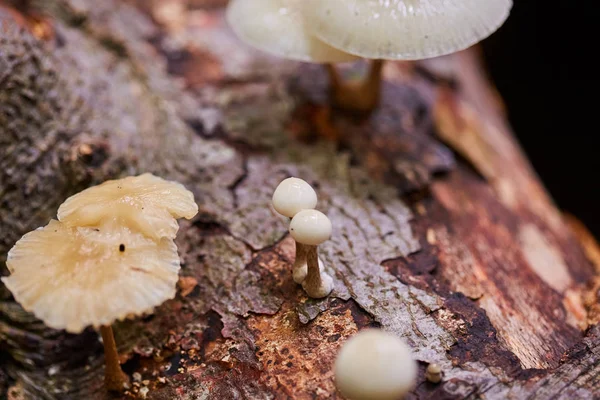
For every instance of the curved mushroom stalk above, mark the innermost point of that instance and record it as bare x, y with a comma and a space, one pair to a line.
356, 96
114, 377
300, 267
317, 283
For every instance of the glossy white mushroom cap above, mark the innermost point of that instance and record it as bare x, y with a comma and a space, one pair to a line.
278, 27
292, 196
144, 203
310, 227
404, 29
375, 365
72, 278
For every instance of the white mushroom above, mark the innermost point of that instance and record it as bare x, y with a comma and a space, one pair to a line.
398, 30
279, 27
433, 373
405, 29
311, 228
145, 203
331, 31
74, 277
291, 196
375, 365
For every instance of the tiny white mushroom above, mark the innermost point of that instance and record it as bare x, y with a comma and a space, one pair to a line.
433, 373
311, 228
291, 196
280, 27
375, 365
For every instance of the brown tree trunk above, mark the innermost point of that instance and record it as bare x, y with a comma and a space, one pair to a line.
442, 233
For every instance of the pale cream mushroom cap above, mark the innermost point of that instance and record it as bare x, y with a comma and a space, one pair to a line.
405, 29
375, 365
293, 195
145, 203
72, 278
310, 227
278, 27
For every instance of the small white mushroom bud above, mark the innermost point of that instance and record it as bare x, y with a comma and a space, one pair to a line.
311, 228
290, 197
375, 365
433, 373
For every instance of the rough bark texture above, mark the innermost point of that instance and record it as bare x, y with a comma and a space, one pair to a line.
442, 233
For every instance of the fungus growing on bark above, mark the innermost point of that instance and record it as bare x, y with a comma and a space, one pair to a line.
377, 30
75, 277
311, 228
144, 203
433, 373
291, 196
279, 27
375, 365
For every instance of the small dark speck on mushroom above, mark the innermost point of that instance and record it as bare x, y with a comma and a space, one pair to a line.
121, 247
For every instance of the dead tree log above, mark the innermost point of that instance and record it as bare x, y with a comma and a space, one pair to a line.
442, 232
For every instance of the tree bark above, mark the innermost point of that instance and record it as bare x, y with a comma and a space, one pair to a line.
442, 232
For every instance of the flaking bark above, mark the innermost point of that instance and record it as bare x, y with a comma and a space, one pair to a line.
442, 233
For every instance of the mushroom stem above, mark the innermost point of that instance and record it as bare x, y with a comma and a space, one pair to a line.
114, 377
317, 284
299, 269
362, 96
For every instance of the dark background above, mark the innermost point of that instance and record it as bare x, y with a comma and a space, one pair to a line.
542, 61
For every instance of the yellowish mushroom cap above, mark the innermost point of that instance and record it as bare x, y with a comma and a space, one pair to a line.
72, 278
375, 365
404, 29
278, 27
144, 203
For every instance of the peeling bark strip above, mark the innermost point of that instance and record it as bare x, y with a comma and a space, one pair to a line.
464, 257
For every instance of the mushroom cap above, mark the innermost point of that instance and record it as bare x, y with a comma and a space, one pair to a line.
278, 27
72, 278
293, 195
405, 29
310, 227
375, 365
145, 203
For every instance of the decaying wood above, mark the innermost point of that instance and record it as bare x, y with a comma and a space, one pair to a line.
442, 233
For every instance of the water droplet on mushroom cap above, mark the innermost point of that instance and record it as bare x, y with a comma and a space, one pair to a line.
144, 203
405, 29
278, 27
375, 365
72, 278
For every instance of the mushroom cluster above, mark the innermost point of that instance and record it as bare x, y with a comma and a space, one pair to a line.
339, 31
110, 255
296, 199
